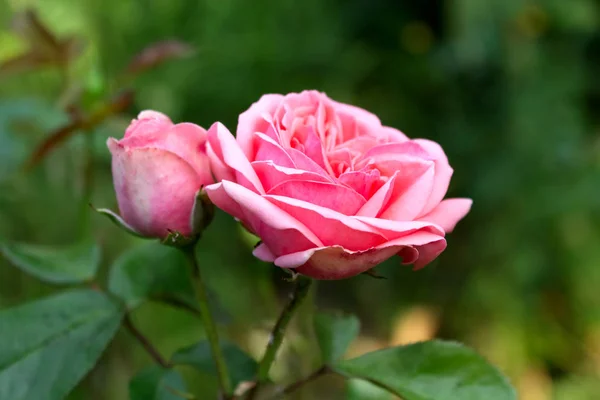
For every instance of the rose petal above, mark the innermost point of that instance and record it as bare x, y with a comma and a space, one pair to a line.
443, 173
302, 161
331, 227
313, 149
429, 252
218, 168
409, 195
388, 158
280, 232
335, 197
148, 122
151, 114
269, 150
351, 115
396, 229
448, 213
188, 141
403, 196
271, 175
226, 149
338, 263
365, 183
263, 253
256, 119
142, 177
394, 134
360, 144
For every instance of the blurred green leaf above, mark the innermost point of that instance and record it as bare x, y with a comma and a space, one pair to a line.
241, 366
433, 370
335, 332
75, 263
157, 383
21, 121
358, 389
48, 346
151, 271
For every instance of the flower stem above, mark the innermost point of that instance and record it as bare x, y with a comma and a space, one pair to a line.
149, 347
208, 321
276, 339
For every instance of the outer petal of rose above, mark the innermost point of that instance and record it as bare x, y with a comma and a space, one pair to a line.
369, 120
338, 263
148, 121
394, 134
329, 195
365, 183
360, 144
429, 252
188, 141
268, 149
302, 161
396, 229
392, 157
263, 253
218, 168
256, 119
280, 232
331, 227
403, 196
271, 175
448, 213
443, 173
409, 196
225, 147
155, 189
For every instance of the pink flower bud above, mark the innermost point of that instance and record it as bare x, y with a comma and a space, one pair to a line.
157, 169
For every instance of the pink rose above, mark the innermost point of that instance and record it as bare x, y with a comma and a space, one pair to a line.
329, 190
157, 169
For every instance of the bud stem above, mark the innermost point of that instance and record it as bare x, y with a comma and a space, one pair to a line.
208, 321
276, 339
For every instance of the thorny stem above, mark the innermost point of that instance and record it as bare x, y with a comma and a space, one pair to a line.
146, 343
208, 321
276, 339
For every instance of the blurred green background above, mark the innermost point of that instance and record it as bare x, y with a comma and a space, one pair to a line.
510, 88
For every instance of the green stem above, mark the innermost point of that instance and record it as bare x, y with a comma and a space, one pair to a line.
276, 339
208, 321
302, 382
152, 351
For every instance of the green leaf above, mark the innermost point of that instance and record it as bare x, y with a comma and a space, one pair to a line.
157, 383
48, 346
358, 389
75, 263
433, 370
152, 271
335, 332
241, 366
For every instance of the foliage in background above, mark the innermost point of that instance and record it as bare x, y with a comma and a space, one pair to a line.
508, 87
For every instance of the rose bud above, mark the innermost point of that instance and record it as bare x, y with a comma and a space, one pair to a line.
158, 167
329, 190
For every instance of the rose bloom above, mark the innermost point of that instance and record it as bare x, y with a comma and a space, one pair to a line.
330, 191
157, 169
